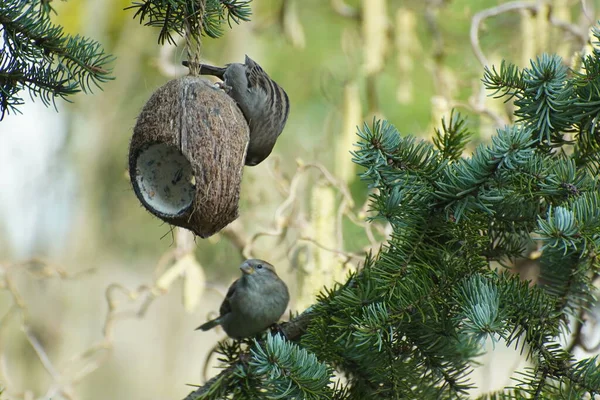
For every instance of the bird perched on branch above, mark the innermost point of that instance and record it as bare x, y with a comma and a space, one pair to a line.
253, 302
263, 102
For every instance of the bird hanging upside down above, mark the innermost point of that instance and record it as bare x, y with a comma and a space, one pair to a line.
263, 102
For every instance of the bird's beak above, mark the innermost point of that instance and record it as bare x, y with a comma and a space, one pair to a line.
247, 269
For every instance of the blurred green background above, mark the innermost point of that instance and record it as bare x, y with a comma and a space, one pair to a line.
66, 204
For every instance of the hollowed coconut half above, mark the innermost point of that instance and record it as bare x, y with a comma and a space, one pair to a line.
187, 155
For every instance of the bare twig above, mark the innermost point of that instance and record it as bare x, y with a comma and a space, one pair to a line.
476, 104
589, 14
79, 365
41, 353
236, 236
284, 217
347, 256
492, 12
572, 29
514, 6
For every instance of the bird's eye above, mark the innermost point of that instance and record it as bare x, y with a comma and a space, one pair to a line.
259, 266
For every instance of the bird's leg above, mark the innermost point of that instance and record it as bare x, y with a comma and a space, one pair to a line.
248, 342
276, 329
245, 358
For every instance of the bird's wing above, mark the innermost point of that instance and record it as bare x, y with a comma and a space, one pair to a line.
276, 96
226, 305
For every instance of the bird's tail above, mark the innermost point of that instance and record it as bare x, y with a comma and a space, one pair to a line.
208, 69
209, 325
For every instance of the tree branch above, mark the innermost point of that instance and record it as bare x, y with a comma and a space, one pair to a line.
292, 330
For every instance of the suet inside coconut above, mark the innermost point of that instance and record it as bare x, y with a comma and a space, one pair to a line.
165, 179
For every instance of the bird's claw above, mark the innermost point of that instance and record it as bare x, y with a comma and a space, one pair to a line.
276, 330
223, 86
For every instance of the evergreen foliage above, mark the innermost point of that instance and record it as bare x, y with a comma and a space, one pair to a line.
410, 324
38, 56
200, 17
412, 321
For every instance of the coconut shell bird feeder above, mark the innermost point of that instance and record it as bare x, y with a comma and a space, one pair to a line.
187, 155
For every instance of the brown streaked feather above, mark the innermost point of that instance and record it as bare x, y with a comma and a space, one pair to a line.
258, 78
286, 111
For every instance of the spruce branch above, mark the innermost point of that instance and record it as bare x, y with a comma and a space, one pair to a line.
224, 382
420, 308
586, 83
289, 371
201, 17
546, 104
453, 137
40, 57
480, 316
542, 96
506, 82
216, 387
467, 184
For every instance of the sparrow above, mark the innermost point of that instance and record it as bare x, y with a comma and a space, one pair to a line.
253, 302
263, 102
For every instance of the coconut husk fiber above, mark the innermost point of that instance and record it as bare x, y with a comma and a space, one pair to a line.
187, 155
